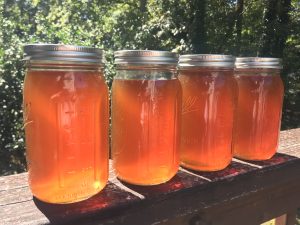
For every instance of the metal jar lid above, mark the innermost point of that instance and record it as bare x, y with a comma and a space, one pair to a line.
258, 62
59, 53
145, 57
206, 60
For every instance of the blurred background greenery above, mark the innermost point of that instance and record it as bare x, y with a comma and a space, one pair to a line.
238, 27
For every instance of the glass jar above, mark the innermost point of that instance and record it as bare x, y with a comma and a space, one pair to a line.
66, 122
259, 108
209, 101
146, 107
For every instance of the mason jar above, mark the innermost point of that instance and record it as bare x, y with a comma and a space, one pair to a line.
146, 108
259, 107
66, 121
209, 101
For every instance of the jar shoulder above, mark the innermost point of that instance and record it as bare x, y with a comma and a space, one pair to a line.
64, 83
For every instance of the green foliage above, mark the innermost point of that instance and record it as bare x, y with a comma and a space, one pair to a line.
175, 25
291, 78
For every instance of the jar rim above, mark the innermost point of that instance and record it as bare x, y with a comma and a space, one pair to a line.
206, 60
258, 62
145, 57
60, 53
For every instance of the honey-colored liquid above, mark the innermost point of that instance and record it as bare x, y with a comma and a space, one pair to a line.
145, 130
258, 116
209, 99
66, 128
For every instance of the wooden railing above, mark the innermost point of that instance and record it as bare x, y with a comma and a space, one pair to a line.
245, 193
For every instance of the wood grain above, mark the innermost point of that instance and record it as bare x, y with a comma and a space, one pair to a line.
256, 191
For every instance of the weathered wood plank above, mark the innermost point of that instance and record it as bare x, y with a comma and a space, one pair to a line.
226, 194
22, 213
291, 217
290, 142
277, 159
15, 195
111, 197
13, 181
234, 169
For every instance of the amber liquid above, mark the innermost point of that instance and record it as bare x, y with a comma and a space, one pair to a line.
66, 127
209, 99
258, 116
145, 130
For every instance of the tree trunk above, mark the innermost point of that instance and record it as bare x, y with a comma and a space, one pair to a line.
276, 21
267, 45
239, 25
283, 29
197, 30
143, 5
